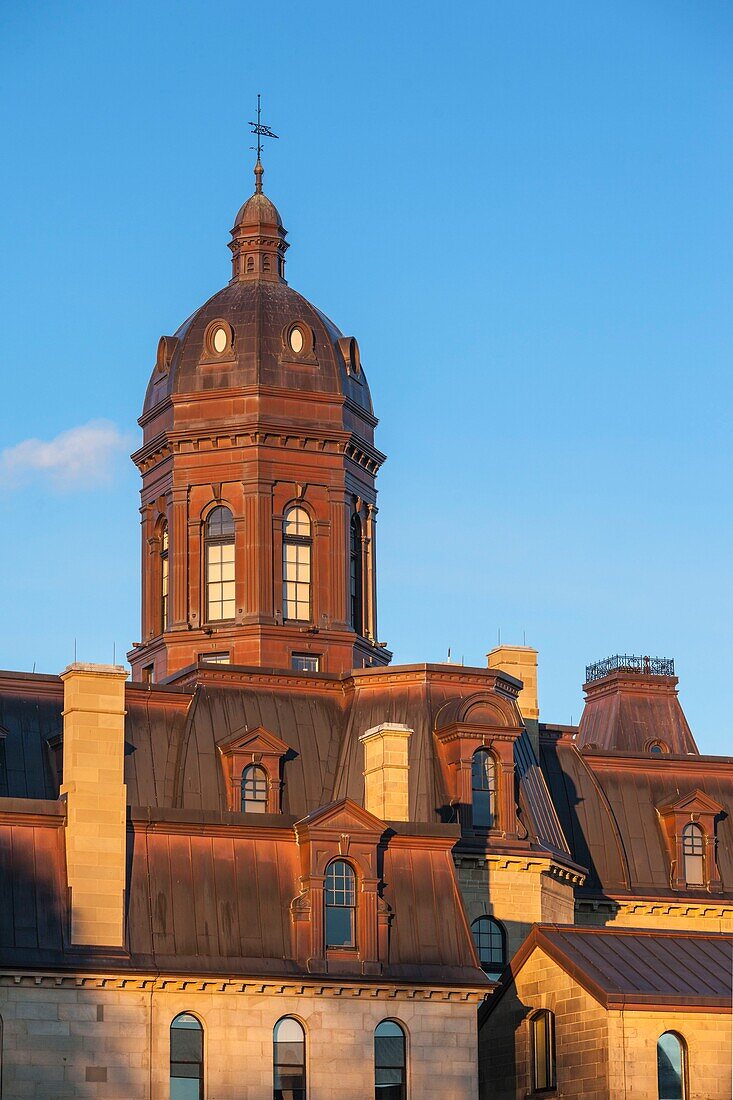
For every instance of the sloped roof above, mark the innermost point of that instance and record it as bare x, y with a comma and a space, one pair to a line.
608, 806
638, 968
211, 894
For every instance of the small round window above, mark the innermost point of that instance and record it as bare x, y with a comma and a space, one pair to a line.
219, 340
296, 340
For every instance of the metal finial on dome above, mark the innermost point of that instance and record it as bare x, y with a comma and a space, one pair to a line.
260, 130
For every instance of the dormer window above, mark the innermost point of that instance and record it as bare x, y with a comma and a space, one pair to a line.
693, 852
658, 748
688, 823
253, 763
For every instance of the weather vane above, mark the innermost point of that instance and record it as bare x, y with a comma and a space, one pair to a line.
260, 130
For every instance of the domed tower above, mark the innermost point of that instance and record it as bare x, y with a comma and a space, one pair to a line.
258, 467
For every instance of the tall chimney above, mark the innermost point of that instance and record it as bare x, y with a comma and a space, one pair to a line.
386, 771
96, 801
520, 661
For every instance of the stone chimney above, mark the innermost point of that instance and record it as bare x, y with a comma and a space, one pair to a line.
96, 801
386, 771
520, 661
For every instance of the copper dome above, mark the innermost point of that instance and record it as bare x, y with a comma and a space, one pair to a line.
258, 317
244, 336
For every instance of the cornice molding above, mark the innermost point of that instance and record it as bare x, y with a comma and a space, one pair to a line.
145, 982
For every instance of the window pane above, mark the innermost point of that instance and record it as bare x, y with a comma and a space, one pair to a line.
305, 662
389, 1062
297, 522
694, 875
483, 809
541, 1052
339, 927
185, 1090
670, 1068
220, 522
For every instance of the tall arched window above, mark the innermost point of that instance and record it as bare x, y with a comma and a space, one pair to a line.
671, 1068
356, 576
340, 902
254, 790
164, 575
390, 1062
219, 557
288, 1057
297, 565
483, 789
542, 1031
693, 850
187, 1058
488, 935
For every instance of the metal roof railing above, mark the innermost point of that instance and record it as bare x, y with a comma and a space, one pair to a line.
647, 666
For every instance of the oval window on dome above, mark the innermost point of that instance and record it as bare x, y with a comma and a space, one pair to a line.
220, 340
297, 340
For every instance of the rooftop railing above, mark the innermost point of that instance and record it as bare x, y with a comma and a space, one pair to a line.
646, 666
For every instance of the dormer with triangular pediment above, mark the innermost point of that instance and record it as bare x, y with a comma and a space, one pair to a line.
252, 761
340, 868
689, 825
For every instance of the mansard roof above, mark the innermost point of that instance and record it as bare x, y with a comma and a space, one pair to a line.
609, 806
211, 893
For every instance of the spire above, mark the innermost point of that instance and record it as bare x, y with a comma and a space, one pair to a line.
258, 238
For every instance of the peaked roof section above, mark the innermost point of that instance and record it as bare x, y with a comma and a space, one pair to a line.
629, 710
635, 968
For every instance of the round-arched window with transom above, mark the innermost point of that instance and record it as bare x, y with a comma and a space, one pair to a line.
186, 1058
340, 904
297, 547
254, 789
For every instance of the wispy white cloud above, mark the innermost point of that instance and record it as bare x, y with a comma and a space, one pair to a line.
78, 458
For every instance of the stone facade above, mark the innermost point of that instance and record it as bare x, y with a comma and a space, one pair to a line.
601, 1054
103, 1041
518, 891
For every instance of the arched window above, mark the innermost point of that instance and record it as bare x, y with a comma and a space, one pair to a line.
671, 1068
356, 576
340, 899
488, 935
542, 1029
265, 263
254, 790
163, 575
187, 1058
390, 1062
483, 789
658, 748
693, 851
219, 558
288, 1057
250, 263
297, 565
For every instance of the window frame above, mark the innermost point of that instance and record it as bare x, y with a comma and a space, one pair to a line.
404, 1084
352, 907
491, 789
202, 1063
356, 574
303, 1093
262, 778
682, 1043
211, 542
693, 829
550, 1054
501, 931
164, 575
297, 541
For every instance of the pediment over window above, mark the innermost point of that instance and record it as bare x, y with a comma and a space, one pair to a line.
342, 818
258, 740
692, 802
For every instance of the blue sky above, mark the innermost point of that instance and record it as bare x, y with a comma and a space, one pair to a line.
523, 211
